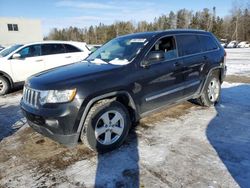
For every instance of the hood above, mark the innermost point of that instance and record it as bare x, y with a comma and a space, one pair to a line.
63, 75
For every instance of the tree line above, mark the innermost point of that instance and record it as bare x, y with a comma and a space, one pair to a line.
232, 27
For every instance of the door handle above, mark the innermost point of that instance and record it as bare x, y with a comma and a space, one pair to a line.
39, 60
177, 64
205, 57
67, 56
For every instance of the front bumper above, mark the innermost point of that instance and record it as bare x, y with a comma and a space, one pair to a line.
58, 122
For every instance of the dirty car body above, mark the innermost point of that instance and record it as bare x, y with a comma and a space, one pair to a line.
157, 69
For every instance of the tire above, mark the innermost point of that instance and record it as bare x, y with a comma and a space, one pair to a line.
211, 92
4, 85
99, 132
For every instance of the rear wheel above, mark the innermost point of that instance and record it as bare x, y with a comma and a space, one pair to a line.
4, 85
106, 126
211, 92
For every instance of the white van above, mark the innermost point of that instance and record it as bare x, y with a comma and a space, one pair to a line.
18, 62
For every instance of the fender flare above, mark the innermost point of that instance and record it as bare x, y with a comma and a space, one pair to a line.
209, 73
8, 77
101, 97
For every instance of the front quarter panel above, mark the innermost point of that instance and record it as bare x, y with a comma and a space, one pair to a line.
5, 68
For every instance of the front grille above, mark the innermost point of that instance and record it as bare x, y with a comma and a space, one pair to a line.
30, 97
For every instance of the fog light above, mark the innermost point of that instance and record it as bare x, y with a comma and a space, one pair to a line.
51, 122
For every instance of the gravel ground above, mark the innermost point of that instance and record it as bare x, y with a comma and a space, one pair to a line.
182, 146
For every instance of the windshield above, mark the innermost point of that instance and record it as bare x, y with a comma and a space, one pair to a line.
119, 51
9, 49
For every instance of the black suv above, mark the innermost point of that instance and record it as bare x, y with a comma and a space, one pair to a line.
97, 100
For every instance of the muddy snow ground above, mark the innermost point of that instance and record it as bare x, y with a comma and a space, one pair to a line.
182, 146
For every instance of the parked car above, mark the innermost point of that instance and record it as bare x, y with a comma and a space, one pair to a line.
97, 100
243, 44
232, 44
18, 62
223, 42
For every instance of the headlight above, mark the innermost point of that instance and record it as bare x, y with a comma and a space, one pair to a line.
57, 96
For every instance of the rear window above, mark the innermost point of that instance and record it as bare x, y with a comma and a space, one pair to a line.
207, 43
188, 44
49, 49
71, 49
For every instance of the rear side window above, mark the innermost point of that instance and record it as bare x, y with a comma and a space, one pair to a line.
71, 49
188, 44
49, 49
207, 43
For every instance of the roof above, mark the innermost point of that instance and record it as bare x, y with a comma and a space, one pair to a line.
56, 41
166, 32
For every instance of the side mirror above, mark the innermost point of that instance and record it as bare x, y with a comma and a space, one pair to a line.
16, 56
154, 56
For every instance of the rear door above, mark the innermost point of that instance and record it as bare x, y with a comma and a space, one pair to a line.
54, 55
29, 63
74, 54
160, 82
193, 60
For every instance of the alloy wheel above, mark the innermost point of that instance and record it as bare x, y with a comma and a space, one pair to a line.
1, 85
109, 127
213, 90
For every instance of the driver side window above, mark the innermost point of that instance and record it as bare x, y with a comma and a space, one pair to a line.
166, 45
30, 51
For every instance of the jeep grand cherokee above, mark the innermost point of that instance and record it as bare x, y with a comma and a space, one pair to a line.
95, 101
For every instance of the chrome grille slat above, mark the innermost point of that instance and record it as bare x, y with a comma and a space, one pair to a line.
36, 98
24, 92
26, 95
30, 97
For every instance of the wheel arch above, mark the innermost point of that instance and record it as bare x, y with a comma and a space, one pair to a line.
218, 70
4, 74
123, 97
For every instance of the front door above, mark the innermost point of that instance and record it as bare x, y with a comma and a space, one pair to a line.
161, 82
29, 63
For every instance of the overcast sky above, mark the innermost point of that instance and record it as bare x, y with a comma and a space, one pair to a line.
81, 13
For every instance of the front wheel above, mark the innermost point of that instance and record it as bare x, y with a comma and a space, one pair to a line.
211, 93
106, 126
4, 86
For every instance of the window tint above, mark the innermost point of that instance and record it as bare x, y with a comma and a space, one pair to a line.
71, 49
30, 51
166, 45
49, 49
188, 44
207, 43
